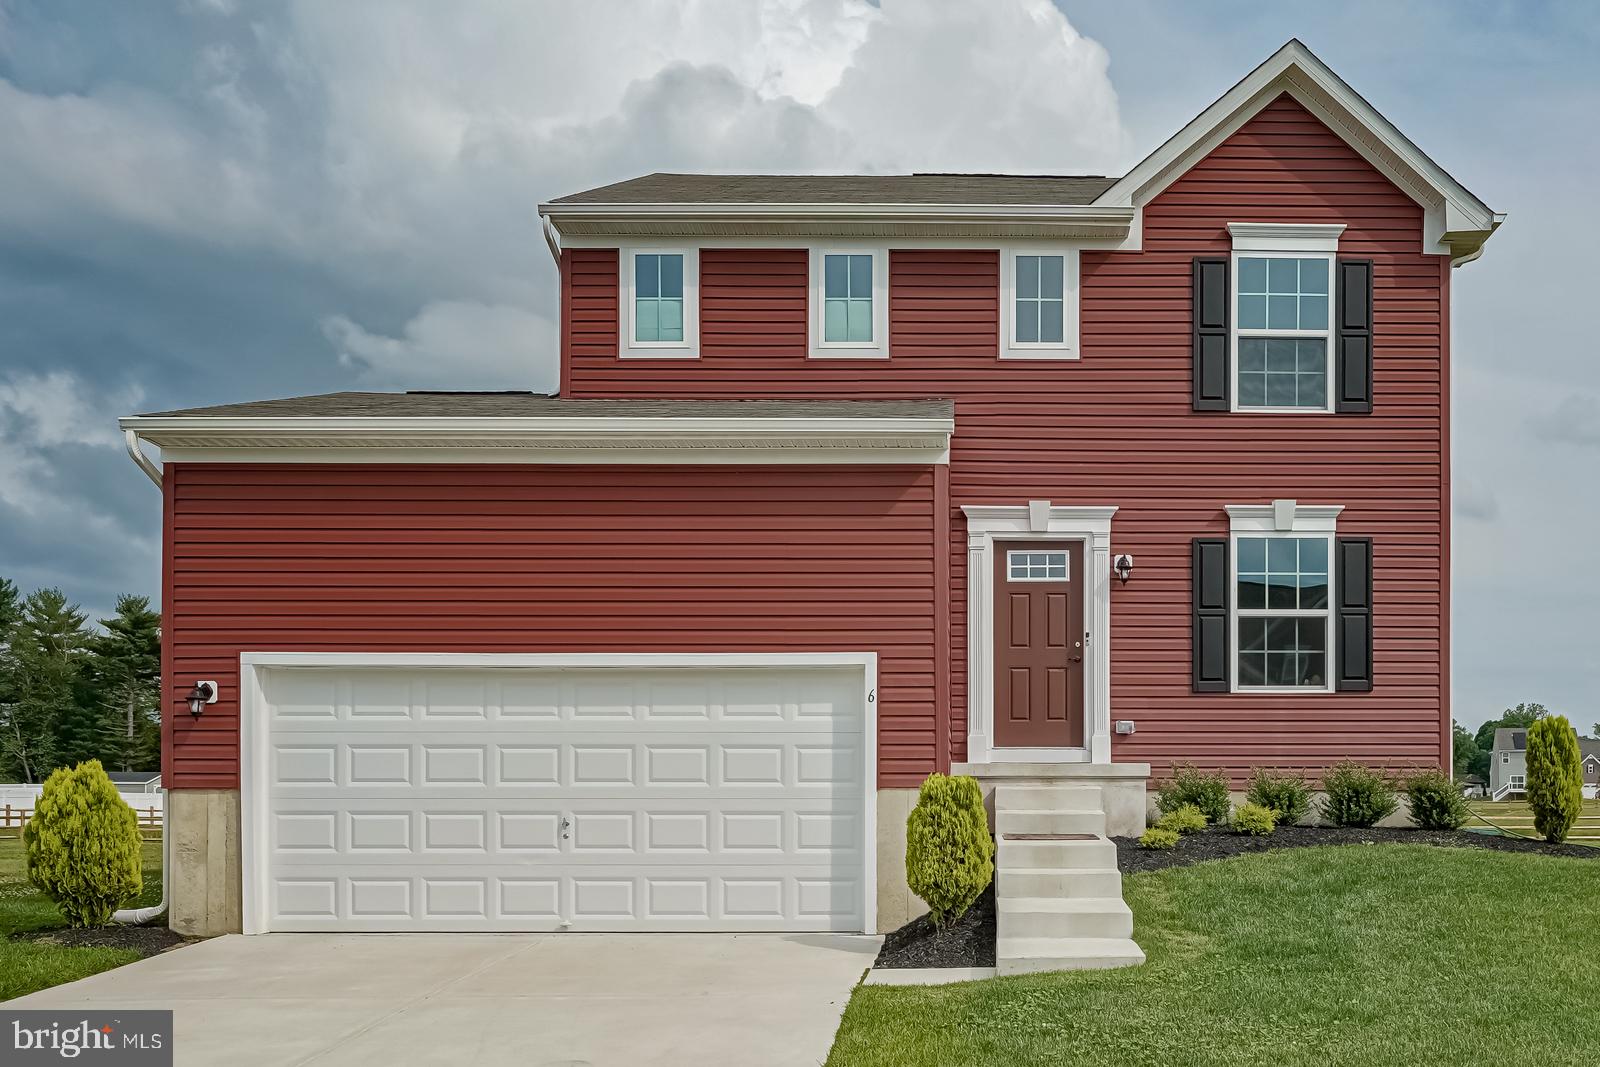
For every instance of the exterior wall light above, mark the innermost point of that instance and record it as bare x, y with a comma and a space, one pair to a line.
1123, 565
202, 694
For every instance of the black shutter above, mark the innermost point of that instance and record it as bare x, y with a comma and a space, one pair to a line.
1210, 632
1211, 335
1353, 573
1353, 336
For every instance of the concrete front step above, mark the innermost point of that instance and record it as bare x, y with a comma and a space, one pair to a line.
1015, 855
1037, 797
1057, 882
1049, 821
1064, 917
1029, 955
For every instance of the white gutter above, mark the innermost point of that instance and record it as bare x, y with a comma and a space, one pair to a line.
140, 916
131, 440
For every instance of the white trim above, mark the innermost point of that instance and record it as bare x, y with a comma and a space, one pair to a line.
544, 439
1010, 347
878, 347
627, 346
1286, 237
1281, 518
1236, 332
1088, 524
254, 748
1456, 222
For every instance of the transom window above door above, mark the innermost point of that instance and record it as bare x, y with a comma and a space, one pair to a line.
659, 313
1036, 566
1282, 611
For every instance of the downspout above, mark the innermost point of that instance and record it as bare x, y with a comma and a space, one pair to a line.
138, 916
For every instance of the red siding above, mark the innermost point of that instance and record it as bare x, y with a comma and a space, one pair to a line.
505, 558
1117, 428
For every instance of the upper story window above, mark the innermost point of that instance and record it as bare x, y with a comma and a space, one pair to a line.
1039, 302
850, 294
1282, 316
660, 303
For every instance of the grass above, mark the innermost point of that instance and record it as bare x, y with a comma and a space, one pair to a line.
28, 966
1357, 955
1515, 815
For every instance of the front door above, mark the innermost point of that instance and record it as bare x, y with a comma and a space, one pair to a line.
1039, 640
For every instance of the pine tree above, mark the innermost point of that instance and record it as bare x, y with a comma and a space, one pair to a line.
125, 670
44, 718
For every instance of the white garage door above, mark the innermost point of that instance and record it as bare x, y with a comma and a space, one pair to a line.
593, 798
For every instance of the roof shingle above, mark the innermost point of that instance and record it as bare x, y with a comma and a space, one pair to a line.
969, 189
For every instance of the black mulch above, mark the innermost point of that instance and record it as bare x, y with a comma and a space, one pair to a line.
969, 942
145, 940
1219, 844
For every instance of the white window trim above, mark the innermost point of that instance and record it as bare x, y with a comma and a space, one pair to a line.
878, 347
1010, 347
1505, 758
1041, 521
1283, 240
1281, 518
627, 346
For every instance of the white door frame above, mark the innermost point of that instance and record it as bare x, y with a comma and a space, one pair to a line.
255, 833
1038, 520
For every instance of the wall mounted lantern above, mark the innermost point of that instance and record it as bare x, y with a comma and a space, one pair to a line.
1123, 565
202, 694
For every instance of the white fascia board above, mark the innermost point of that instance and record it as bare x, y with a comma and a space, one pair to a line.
1458, 222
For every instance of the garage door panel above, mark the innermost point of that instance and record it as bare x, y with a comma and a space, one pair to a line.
535, 799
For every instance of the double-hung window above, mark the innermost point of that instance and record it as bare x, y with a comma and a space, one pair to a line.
1039, 302
1283, 292
850, 297
660, 302
1282, 610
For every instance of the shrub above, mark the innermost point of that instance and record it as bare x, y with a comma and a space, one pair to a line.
949, 852
1356, 795
1555, 777
82, 845
1159, 838
1436, 803
1192, 786
1184, 819
1286, 794
1254, 819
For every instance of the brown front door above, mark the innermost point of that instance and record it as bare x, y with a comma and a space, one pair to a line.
1038, 634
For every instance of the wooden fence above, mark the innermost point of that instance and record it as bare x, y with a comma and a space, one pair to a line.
13, 817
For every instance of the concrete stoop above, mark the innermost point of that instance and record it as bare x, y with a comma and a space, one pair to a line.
1058, 891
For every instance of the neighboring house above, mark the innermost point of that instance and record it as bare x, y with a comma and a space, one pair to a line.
1508, 764
850, 480
136, 781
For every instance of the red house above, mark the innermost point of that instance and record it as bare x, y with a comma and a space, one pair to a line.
1055, 481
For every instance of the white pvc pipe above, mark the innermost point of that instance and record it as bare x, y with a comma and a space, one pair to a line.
139, 916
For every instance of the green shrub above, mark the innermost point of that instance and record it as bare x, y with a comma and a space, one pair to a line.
1555, 777
82, 845
1184, 819
1192, 786
1254, 819
1159, 838
1356, 795
1436, 803
1286, 794
949, 851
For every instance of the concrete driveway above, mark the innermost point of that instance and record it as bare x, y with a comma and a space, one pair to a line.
526, 999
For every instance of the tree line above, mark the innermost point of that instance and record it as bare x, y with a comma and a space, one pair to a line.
70, 692
1473, 750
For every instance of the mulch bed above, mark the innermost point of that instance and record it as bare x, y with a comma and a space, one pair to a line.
1217, 844
145, 940
969, 942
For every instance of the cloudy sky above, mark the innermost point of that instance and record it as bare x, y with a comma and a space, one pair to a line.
222, 200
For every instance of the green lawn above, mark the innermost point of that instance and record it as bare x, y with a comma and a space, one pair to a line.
1356, 955
27, 966
1516, 816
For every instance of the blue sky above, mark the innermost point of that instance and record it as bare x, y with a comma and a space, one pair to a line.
220, 200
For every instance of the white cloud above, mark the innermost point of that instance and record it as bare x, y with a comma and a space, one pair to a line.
43, 412
453, 345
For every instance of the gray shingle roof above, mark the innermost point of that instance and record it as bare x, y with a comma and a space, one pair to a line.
1515, 739
445, 405
661, 188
